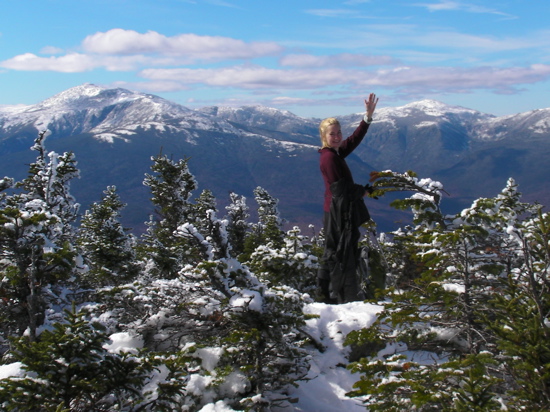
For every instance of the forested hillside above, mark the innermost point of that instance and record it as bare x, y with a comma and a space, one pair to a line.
212, 304
113, 133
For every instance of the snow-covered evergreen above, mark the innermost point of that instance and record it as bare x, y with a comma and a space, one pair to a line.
209, 313
108, 248
37, 241
469, 312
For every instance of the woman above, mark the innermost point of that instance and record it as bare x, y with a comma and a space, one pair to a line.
344, 209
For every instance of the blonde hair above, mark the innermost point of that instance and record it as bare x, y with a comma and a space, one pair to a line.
330, 121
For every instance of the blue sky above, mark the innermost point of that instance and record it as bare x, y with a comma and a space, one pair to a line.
315, 58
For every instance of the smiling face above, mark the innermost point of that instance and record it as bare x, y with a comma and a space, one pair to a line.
333, 136
329, 129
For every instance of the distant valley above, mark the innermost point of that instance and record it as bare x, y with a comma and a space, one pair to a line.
114, 133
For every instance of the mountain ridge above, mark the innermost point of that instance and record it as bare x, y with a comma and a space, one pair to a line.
114, 133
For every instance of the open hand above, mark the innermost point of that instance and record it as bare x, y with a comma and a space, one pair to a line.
370, 105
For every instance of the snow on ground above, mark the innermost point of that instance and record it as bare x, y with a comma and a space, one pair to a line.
329, 380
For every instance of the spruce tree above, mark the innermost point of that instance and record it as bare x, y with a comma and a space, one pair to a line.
68, 368
202, 207
448, 311
238, 226
268, 230
5, 183
108, 248
36, 239
172, 186
292, 265
49, 180
216, 305
519, 311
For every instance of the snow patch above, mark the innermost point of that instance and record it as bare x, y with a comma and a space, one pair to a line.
124, 342
425, 124
12, 370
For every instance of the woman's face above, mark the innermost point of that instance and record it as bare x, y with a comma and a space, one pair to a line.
333, 136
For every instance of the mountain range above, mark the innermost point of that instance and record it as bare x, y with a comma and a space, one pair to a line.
114, 133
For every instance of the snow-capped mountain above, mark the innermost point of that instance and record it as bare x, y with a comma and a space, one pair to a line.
106, 113
114, 132
529, 125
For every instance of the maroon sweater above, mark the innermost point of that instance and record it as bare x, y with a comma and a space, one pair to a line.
333, 164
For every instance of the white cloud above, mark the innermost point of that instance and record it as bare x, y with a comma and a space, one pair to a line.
190, 46
440, 46
339, 60
163, 62
332, 12
442, 5
73, 63
128, 50
404, 79
473, 43
51, 50
446, 79
249, 77
153, 86
70, 63
448, 5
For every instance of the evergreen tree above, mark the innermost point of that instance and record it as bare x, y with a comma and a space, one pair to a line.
172, 186
264, 344
203, 206
238, 226
36, 240
447, 309
292, 265
49, 180
5, 183
268, 230
245, 349
108, 248
211, 243
68, 368
518, 314
216, 305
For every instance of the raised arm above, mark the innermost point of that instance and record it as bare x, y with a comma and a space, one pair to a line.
370, 105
